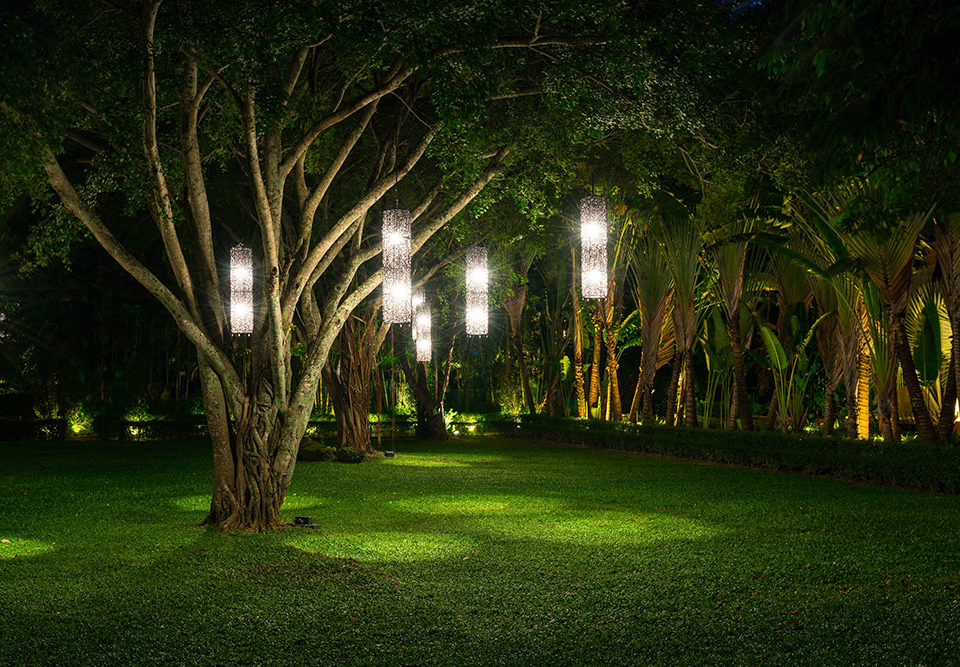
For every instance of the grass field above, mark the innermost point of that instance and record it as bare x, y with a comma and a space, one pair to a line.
474, 551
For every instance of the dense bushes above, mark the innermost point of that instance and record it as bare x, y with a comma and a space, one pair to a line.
912, 464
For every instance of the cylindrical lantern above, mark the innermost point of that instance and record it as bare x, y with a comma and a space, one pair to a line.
241, 289
477, 277
424, 332
415, 302
396, 266
593, 247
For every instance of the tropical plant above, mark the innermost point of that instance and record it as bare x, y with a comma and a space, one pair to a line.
792, 370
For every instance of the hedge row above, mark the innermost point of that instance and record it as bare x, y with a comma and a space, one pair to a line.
911, 464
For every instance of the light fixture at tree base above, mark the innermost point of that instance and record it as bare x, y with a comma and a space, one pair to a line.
241, 289
593, 247
424, 333
396, 266
477, 280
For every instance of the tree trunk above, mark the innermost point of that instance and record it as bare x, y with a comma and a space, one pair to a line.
863, 393
829, 411
773, 411
351, 410
614, 408
673, 388
524, 375
638, 391
740, 407
947, 403
252, 461
582, 411
218, 426
889, 427
514, 303
595, 366
925, 428
894, 410
689, 391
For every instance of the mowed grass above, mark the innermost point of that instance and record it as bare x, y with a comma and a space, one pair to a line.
473, 551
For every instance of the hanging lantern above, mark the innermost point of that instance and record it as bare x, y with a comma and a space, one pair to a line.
415, 302
396, 266
477, 278
241, 289
593, 247
424, 332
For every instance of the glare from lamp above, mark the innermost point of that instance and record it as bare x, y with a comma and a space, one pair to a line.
593, 247
477, 279
424, 333
415, 301
396, 266
241, 290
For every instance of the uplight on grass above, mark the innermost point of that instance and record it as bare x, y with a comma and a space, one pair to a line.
397, 546
17, 547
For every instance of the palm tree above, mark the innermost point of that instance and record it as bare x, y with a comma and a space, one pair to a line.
880, 339
887, 258
946, 246
652, 288
682, 241
730, 259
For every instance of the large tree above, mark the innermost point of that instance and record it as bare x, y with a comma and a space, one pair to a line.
288, 126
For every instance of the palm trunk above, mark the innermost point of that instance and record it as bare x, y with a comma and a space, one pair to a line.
648, 418
673, 389
925, 428
740, 407
863, 393
637, 392
595, 366
578, 346
614, 408
893, 407
947, 404
829, 411
689, 391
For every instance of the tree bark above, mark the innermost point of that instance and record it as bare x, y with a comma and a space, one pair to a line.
594, 395
863, 393
829, 410
614, 407
689, 391
740, 407
947, 404
582, 411
925, 428
673, 388
638, 391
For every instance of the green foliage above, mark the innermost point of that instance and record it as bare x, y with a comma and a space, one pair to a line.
79, 421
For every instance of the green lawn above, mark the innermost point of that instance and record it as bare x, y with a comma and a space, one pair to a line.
471, 551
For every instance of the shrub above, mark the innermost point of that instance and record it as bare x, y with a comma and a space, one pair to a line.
312, 450
350, 456
913, 464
